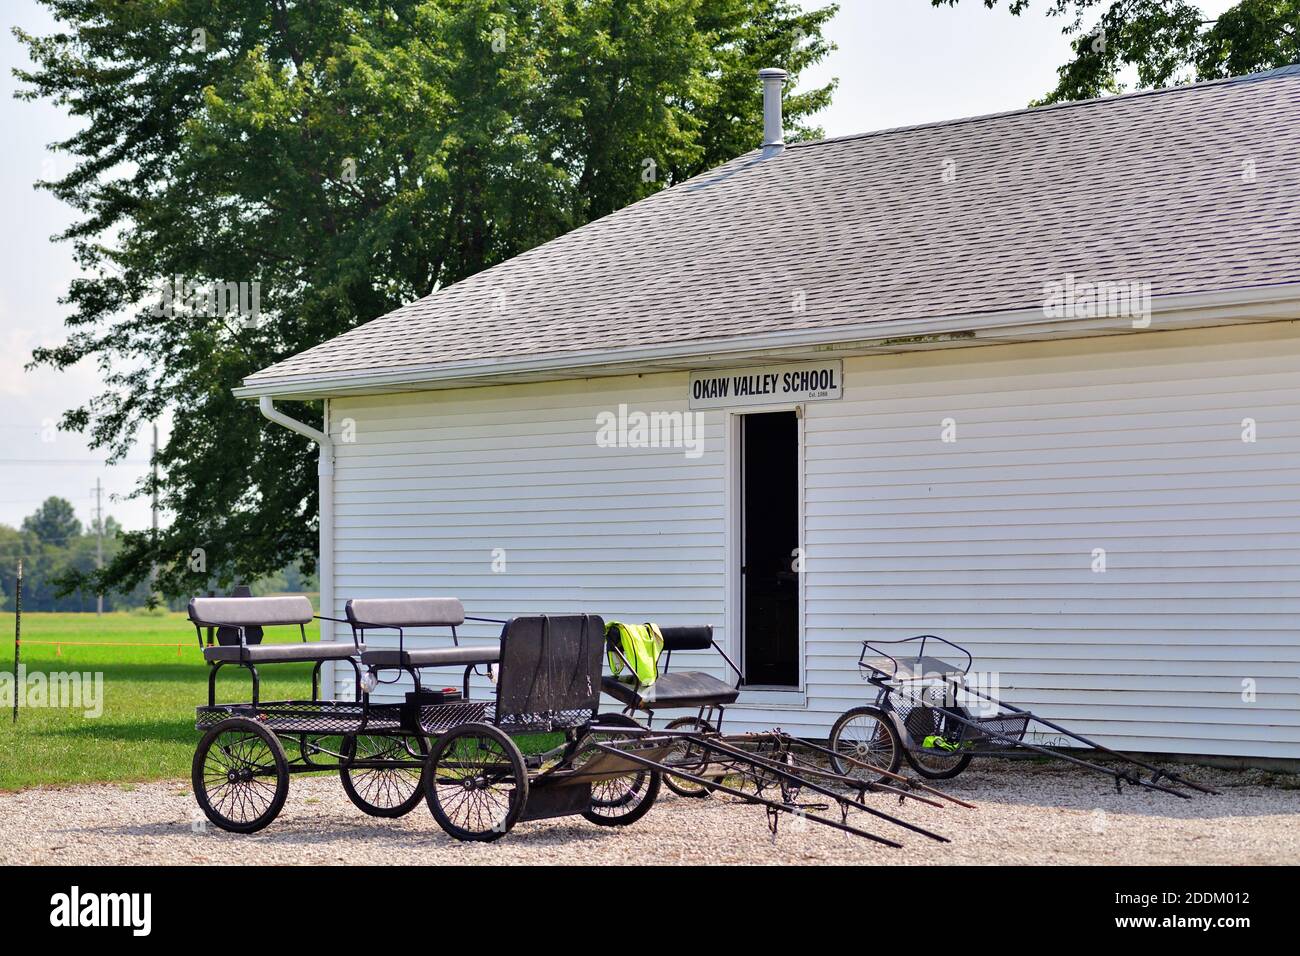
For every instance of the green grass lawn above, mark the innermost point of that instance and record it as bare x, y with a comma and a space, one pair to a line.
146, 731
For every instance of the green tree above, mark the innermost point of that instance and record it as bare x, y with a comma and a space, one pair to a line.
54, 522
1164, 42
348, 157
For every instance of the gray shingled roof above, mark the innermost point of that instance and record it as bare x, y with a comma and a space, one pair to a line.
1149, 186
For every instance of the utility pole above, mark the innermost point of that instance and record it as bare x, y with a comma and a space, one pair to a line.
153, 458
99, 541
18, 635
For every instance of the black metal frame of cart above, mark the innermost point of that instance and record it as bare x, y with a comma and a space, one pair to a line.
773, 768
699, 691
456, 754
917, 715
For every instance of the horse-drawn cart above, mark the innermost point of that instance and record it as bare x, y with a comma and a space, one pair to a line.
928, 713
460, 755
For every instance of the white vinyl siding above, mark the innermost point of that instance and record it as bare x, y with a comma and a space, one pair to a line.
1129, 444
1132, 444
440, 485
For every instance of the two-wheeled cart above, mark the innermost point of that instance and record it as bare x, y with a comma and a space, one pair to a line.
920, 715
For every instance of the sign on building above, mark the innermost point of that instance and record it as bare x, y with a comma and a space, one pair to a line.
767, 385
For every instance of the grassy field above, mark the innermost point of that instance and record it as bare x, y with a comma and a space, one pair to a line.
146, 730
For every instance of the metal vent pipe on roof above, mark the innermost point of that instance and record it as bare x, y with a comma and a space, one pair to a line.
773, 133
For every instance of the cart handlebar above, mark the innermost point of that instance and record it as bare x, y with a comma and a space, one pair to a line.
879, 673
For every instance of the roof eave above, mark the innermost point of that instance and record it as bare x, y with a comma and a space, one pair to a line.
1253, 304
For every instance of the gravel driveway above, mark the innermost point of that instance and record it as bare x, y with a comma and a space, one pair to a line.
1026, 814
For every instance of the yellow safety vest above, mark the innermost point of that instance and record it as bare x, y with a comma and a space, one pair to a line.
641, 645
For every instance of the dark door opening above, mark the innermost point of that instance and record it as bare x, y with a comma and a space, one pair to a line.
769, 481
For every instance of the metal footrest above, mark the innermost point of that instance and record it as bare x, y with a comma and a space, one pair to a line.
439, 718
982, 730
306, 716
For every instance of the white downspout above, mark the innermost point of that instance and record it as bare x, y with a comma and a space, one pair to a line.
325, 474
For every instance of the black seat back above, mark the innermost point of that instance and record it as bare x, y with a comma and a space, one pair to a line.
550, 669
689, 637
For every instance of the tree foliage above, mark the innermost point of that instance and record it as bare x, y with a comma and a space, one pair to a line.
54, 522
53, 546
1164, 42
59, 560
347, 157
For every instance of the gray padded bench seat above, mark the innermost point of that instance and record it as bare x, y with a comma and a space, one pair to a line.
250, 611
239, 622
432, 656
400, 613
297, 652
252, 614
405, 612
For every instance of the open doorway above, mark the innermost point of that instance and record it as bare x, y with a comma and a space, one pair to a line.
769, 516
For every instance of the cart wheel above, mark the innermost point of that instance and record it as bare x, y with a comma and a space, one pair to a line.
622, 801
936, 764
866, 735
475, 782
685, 755
240, 775
388, 791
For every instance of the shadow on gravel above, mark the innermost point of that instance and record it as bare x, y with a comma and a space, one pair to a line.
1051, 785
316, 833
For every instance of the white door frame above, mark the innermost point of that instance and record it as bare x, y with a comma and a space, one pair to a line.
795, 698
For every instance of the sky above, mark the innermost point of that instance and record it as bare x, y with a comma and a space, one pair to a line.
899, 62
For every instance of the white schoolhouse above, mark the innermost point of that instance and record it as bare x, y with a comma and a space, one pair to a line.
1030, 382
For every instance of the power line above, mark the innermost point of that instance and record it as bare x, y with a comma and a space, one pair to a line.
68, 462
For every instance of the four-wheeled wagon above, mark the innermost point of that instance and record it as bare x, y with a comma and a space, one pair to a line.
461, 756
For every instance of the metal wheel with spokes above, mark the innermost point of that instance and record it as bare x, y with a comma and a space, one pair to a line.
387, 781
475, 782
618, 801
240, 775
865, 735
690, 757
931, 720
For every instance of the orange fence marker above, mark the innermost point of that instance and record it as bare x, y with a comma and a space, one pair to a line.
58, 645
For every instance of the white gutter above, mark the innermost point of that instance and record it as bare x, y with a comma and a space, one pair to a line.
325, 476
1261, 303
